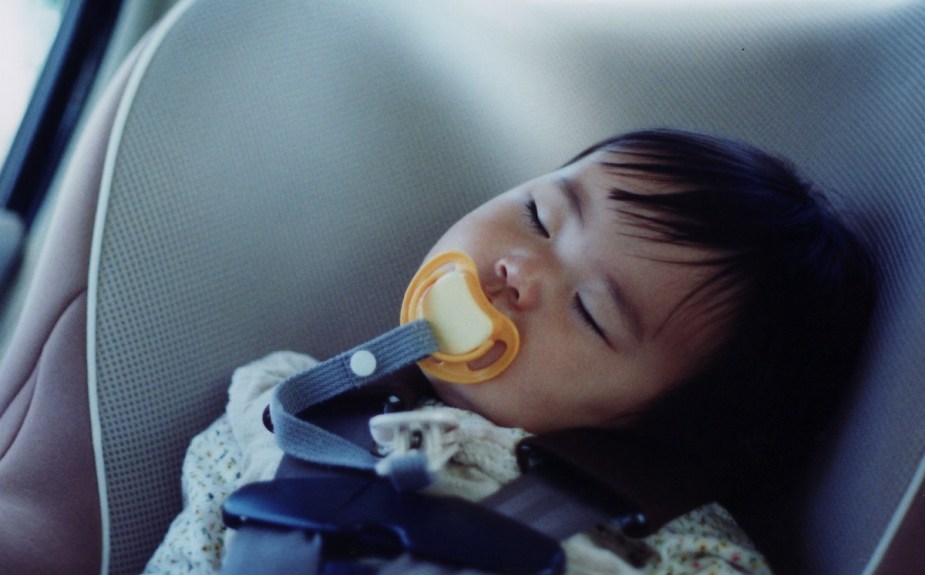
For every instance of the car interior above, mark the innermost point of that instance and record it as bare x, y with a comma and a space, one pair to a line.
249, 177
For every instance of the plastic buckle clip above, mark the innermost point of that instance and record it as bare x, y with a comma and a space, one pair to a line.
432, 434
357, 515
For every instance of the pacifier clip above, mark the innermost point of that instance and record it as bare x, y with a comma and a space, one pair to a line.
447, 323
345, 372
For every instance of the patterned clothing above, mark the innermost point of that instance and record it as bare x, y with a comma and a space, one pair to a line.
236, 449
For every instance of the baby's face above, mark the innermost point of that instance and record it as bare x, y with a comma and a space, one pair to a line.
597, 307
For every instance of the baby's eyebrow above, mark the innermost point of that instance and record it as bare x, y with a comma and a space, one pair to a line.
569, 189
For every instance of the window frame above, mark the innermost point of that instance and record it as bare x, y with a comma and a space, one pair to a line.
56, 104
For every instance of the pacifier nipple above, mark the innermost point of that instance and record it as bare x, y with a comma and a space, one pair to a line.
476, 342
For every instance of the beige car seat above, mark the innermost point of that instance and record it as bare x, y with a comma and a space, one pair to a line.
268, 175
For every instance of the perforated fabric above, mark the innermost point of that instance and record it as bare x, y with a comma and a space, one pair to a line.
283, 167
275, 187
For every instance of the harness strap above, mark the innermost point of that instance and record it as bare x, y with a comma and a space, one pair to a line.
274, 551
547, 503
556, 508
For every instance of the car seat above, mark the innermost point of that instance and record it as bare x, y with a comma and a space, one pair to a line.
263, 176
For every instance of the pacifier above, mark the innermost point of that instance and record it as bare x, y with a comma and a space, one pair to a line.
447, 293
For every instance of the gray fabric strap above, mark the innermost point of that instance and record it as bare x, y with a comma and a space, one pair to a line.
549, 506
272, 551
556, 509
345, 372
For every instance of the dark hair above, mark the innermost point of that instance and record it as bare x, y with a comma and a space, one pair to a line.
798, 284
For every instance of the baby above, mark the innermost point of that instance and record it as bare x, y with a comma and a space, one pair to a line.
689, 290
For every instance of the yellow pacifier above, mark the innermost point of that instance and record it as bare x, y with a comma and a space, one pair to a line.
447, 293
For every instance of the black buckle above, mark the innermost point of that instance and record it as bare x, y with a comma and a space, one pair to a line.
358, 515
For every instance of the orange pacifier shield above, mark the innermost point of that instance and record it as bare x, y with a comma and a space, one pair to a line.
447, 293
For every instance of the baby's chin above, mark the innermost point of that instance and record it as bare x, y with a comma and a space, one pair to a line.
490, 399
460, 396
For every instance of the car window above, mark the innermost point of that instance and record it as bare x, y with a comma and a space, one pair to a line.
27, 31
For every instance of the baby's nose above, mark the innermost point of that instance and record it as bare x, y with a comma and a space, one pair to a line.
520, 281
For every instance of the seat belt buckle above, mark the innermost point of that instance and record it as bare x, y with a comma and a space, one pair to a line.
432, 434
